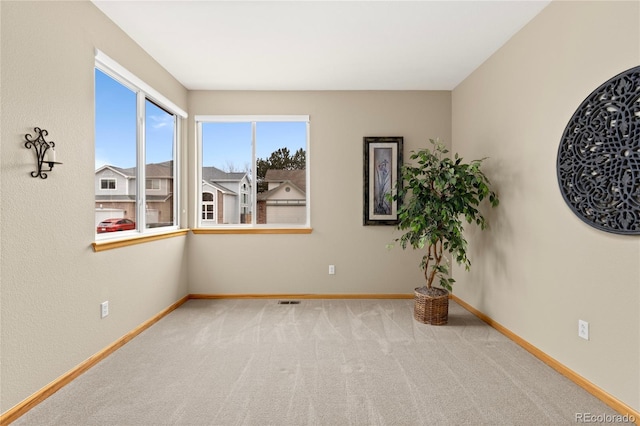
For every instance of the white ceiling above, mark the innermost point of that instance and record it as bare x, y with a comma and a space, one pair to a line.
321, 45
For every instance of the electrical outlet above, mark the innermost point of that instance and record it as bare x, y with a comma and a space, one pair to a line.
583, 329
332, 269
104, 309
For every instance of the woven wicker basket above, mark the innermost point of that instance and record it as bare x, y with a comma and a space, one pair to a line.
432, 310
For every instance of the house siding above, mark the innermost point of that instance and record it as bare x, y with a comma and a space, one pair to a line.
122, 187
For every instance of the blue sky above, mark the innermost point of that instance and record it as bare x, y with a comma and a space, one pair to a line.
229, 144
225, 145
116, 126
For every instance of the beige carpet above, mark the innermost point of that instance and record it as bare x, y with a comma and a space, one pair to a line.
322, 362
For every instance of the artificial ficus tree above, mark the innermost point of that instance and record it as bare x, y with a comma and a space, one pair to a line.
437, 195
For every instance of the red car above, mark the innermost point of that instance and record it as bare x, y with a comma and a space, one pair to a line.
118, 224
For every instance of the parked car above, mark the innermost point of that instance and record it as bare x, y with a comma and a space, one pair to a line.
116, 224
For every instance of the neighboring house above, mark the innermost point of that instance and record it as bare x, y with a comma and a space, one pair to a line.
115, 190
284, 201
226, 197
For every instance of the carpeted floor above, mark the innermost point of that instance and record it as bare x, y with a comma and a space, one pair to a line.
322, 362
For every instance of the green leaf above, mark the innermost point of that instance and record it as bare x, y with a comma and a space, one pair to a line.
435, 193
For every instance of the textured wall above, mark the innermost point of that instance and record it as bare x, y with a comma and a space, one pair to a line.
540, 268
52, 282
299, 263
537, 271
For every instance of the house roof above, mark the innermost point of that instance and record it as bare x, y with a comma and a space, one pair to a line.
210, 173
153, 170
118, 170
116, 198
131, 198
296, 177
130, 172
220, 188
160, 170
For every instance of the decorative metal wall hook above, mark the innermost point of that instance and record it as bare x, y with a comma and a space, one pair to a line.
45, 152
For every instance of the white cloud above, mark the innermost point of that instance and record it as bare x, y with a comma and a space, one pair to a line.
160, 121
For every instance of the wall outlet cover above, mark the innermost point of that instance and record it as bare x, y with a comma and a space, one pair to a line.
583, 329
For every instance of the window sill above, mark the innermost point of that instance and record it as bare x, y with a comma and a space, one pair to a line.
138, 239
252, 230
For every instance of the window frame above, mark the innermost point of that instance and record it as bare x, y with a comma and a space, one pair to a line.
205, 212
145, 93
115, 184
205, 226
149, 184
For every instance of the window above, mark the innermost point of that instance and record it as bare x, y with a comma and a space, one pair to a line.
107, 184
256, 169
153, 183
208, 207
136, 140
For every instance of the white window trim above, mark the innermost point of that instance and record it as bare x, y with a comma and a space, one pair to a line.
105, 63
152, 181
143, 92
213, 203
253, 119
250, 118
115, 184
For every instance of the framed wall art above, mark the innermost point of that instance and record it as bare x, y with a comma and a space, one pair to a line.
382, 163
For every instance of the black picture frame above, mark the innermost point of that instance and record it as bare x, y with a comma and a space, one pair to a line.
382, 166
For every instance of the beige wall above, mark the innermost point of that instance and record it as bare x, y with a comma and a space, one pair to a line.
52, 282
540, 268
537, 271
299, 263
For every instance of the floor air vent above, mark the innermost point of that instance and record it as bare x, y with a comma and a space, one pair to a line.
288, 302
